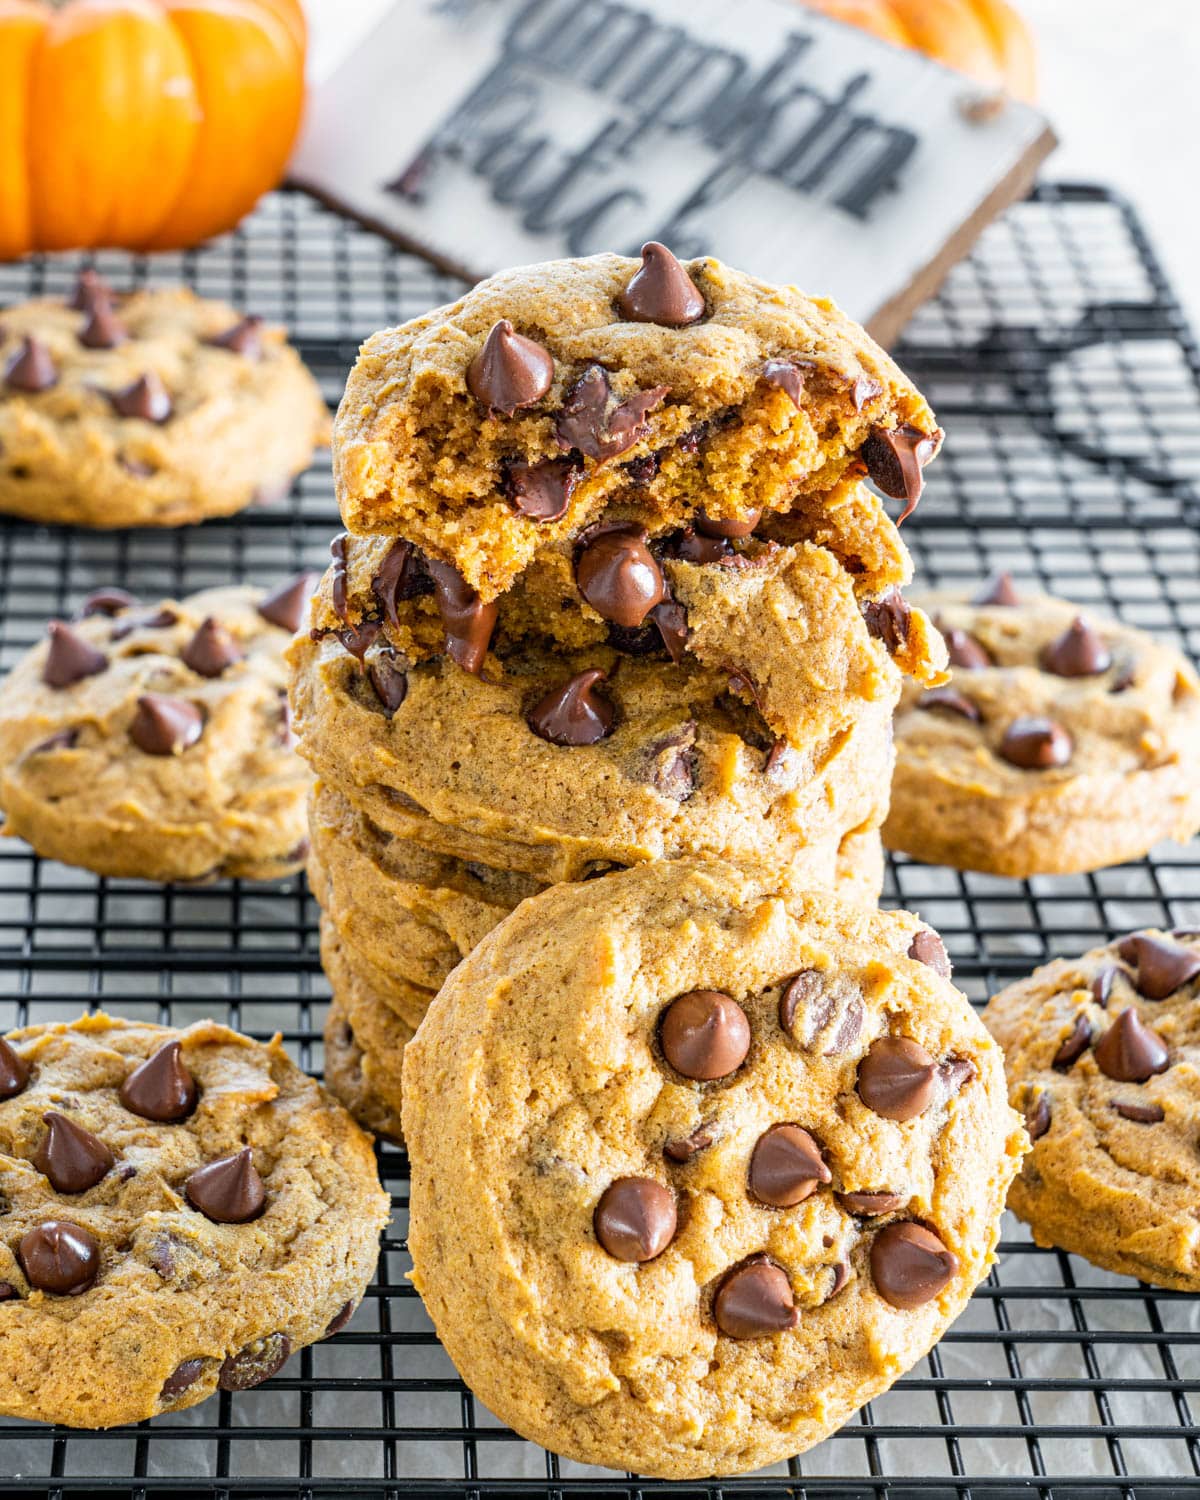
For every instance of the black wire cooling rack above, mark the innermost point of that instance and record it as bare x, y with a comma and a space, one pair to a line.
1064, 371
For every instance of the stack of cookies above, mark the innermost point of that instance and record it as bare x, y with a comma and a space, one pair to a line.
614, 591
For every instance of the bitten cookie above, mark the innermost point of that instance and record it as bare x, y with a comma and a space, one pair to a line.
182, 1211
153, 741
698, 1169
1064, 741
155, 408
514, 418
1102, 1054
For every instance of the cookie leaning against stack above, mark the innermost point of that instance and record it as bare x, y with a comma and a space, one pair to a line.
699, 1167
614, 592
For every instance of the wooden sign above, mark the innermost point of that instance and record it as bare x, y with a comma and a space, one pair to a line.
487, 133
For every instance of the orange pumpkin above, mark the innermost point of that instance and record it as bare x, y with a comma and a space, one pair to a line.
149, 124
986, 39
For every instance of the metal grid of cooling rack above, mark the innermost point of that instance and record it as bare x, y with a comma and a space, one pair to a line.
1060, 363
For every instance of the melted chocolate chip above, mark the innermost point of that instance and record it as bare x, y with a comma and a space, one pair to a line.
728, 527
1129, 1051
754, 1300
592, 421
895, 1078
964, 651
661, 292
467, 620
161, 1088
871, 1205
1037, 1117
810, 1006
357, 639
389, 680
510, 371
72, 1158
1078, 652
789, 375
1163, 966
574, 713
244, 338
228, 1190
910, 1265
146, 399
671, 762
617, 574
1073, 1046
927, 948
211, 650
402, 576
951, 701
106, 602
691, 547
165, 726
60, 1257
337, 578
681, 1149
287, 605
69, 658
786, 1167
895, 457
887, 618
542, 491
32, 369
998, 590
65, 739
635, 1219
1036, 744
255, 1363
14, 1071
103, 329
954, 1073
670, 620
181, 1378
704, 1035
1140, 1114
340, 1318
159, 620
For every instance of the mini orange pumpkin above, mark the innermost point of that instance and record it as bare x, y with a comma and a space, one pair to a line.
149, 124
985, 39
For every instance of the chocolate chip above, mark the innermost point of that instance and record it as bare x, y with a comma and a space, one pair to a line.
1140, 1114
682, 1148
106, 602
337, 578
211, 649
895, 1078
964, 651
671, 762
1163, 966
255, 1363
65, 739
8, 1292
691, 547
952, 701
574, 713
871, 1205
954, 1073
244, 338
228, 1190
165, 726
510, 371
146, 399
617, 574
32, 369
356, 639
635, 1219
1074, 1046
72, 1158
60, 1257
90, 288
595, 423
467, 620
811, 1004
402, 576
670, 620
287, 605
895, 457
1078, 652
754, 1300
1103, 983
729, 528
14, 1071
161, 1088
910, 1265
789, 375
542, 491
998, 590
159, 620
103, 329
1035, 744
389, 680
661, 292
340, 1318
70, 658
887, 618
1125, 675
1129, 1051
927, 948
181, 1378
1037, 1117
704, 1035
864, 389
786, 1167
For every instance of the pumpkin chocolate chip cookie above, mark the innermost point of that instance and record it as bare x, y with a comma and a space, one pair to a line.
1063, 741
182, 1211
517, 417
153, 741
156, 408
698, 1168
1102, 1058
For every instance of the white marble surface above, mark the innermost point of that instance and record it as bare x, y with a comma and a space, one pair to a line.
1119, 78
